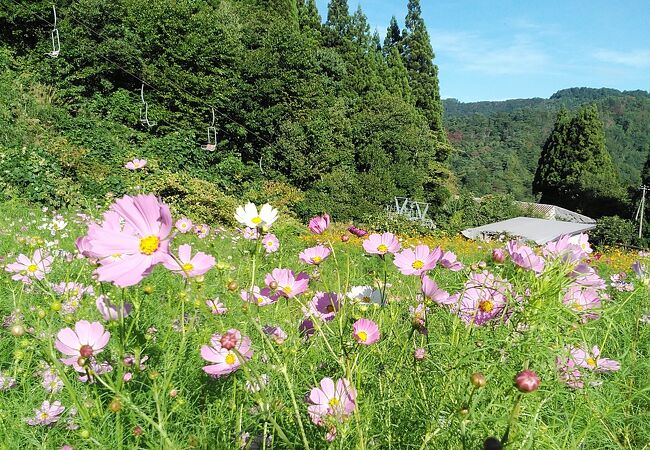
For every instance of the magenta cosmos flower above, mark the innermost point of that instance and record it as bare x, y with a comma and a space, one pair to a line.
365, 332
331, 400
319, 224
431, 290
136, 164
184, 225
47, 414
418, 261
480, 303
358, 232
271, 243
227, 352
524, 257
314, 255
380, 244
324, 305
85, 341
187, 265
131, 240
592, 360
261, 297
26, 269
288, 284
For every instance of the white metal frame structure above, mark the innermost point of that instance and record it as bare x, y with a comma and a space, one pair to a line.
212, 137
56, 43
144, 110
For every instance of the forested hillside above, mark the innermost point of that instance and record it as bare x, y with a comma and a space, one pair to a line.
499, 143
333, 116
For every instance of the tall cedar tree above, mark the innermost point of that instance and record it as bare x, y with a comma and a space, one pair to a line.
393, 36
423, 73
338, 19
308, 15
645, 174
575, 170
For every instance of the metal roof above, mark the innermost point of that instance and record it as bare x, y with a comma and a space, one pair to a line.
538, 230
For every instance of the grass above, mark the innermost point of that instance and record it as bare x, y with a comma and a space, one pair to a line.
401, 403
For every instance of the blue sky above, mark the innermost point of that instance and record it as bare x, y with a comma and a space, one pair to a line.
500, 49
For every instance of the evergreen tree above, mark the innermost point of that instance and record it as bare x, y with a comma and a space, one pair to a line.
645, 174
396, 80
393, 36
338, 17
359, 30
308, 15
423, 74
575, 170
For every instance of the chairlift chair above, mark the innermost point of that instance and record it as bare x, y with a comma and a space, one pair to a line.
56, 43
212, 137
144, 110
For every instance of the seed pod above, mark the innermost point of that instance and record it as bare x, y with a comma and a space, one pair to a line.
116, 405
148, 289
17, 330
478, 379
232, 286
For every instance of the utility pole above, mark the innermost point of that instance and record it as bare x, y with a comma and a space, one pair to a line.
639, 212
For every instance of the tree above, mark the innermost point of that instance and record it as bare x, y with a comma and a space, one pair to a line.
338, 17
308, 15
393, 36
575, 170
645, 174
423, 73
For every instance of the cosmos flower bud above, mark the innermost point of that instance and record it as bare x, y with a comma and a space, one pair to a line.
478, 380
17, 330
148, 289
527, 381
419, 354
498, 256
115, 406
345, 238
82, 361
137, 431
273, 285
232, 286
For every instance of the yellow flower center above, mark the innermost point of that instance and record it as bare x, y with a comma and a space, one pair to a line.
316, 259
382, 248
187, 267
591, 362
149, 245
230, 359
269, 243
44, 415
363, 336
287, 289
334, 401
486, 306
256, 220
578, 307
417, 264
183, 225
32, 268
260, 300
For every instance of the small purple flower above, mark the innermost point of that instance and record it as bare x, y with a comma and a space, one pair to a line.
47, 414
275, 333
324, 305
216, 307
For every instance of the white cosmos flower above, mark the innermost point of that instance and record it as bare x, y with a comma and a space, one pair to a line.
249, 216
364, 295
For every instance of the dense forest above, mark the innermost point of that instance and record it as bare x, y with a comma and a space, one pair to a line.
320, 107
498, 144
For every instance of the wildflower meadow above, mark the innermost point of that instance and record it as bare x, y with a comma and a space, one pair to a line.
128, 326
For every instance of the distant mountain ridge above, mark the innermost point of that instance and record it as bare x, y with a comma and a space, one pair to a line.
498, 143
569, 98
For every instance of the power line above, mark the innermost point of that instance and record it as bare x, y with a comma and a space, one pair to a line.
154, 88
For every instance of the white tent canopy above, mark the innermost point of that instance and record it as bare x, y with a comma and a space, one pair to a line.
537, 230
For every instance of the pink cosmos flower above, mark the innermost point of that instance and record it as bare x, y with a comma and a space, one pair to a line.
498, 256
524, 257
483, 299
583, 301
358, 232
564, 249
582, 241
188, 266
431, 290
365, 332
417, 262
227, 352
569, 372
419, 318
131, 240
271, 243
47, 414
319, 224
26, 269
314, 255
110, 311
449, 261
72, 290
586, 276
324, 305
592, 360
380, 244
184, 225
289, 285
85, 341
216, 307
202, 230
251, 234
330, 400
261, 297
136, 164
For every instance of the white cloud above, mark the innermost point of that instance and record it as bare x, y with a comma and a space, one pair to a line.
472, 51
632, 58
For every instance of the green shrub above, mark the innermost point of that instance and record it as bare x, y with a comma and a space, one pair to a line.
614, 230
